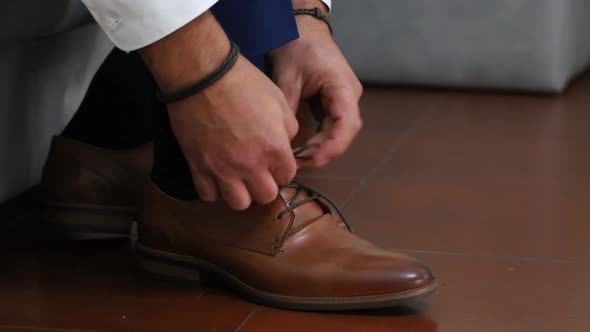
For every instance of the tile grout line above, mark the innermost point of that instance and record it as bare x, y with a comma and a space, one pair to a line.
49, 329
243, 323
388, 156
492, 257
329, 177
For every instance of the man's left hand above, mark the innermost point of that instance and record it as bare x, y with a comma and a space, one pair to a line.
314, 66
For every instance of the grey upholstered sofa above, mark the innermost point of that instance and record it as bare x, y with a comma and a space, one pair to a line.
534, 45
48, 53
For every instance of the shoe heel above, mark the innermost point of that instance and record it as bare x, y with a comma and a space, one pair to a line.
78, 223
167, 268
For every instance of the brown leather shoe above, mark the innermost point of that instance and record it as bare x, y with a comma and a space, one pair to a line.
293, 253
93, 193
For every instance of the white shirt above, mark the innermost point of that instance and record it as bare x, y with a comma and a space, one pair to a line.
133, 24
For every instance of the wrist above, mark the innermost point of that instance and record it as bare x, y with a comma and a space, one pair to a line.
316, 23
180, 59
303, 4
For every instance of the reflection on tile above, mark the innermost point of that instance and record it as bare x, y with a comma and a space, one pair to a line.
93, 287
389, 320
490, 295
493, 219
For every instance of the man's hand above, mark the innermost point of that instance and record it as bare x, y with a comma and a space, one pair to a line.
313, 65
235, 134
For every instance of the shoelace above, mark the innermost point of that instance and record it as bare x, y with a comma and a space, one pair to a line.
313, 195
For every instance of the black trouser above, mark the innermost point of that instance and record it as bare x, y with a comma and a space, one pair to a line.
120, 111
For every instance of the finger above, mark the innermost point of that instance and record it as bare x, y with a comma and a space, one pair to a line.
345, 112
234, 193
338, 130
206, 187
262, 188
310, 157
339, 138
284, 168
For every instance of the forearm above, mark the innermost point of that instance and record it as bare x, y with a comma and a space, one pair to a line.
188, 54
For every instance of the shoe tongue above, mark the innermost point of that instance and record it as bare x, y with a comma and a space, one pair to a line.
304, 214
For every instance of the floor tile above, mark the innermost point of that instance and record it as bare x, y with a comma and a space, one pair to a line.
35, 329
395, 109
497, 219
390, 320
494, 137
365, 153
96, 287
490, 295
488, 174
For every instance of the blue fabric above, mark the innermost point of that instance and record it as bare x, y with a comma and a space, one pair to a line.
257, 26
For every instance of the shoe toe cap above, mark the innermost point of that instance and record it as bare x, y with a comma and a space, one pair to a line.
389, 273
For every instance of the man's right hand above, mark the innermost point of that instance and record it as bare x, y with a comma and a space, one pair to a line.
235, 134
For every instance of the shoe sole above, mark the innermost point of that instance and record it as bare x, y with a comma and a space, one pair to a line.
186, 268
78, 222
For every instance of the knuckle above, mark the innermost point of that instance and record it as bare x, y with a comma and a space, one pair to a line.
246, 162
358, 88
320, 162
283, 179
207, 163
335, 153
269, 195
285, 172
291, 173
206, 197
287, 176
248, 165
205, 193
357, 124
292, 128
275, 148
240, 204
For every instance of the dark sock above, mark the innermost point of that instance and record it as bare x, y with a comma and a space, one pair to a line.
171, 172
119, 109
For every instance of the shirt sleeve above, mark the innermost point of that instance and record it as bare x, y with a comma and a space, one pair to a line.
328, 3
133, 24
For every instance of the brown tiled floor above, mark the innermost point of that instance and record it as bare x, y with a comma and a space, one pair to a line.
489, 189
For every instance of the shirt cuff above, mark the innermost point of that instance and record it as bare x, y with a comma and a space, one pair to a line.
133, 24
328, 3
